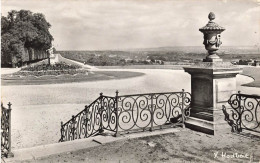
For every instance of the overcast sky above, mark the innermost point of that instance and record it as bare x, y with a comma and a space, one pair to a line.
117, 24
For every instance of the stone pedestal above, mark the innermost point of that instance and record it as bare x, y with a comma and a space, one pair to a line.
212, 58
212, 83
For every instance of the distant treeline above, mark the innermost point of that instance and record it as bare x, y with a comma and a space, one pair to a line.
116, 58
25, 37
119, 58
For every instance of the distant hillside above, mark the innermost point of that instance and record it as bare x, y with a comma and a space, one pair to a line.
201, 49
169, 55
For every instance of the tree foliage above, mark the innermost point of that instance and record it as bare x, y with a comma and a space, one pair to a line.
21, 30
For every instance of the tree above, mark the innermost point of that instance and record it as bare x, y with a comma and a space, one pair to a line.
4, 24
22, 30
11, 49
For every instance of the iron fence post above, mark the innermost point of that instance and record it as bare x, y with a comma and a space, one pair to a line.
73, 127
240, 115
151, 129
116, 111
86, 125
182, 110
61, 132
9, 154
101, 112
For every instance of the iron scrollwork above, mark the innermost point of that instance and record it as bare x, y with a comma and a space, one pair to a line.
6, 131
100, 115
128, 112
147, 111
244, 112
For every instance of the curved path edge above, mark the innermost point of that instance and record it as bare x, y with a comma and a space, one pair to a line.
42, 151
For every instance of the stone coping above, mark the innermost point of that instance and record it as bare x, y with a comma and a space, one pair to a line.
37, 152
214, 65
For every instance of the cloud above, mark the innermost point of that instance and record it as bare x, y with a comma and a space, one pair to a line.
115, 24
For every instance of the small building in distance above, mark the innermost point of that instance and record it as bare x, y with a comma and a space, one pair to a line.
249, 62
257, 63
128, 60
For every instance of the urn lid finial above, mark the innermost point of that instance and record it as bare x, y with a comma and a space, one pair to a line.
211, 26
211, 16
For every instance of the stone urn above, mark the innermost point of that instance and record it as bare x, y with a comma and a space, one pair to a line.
212, 83
212, 38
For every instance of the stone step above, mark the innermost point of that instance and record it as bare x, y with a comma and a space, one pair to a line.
203, 115
201, 125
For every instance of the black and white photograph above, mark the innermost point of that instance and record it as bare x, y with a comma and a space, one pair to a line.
130, 81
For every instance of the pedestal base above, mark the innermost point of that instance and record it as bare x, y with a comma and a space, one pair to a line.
212, 83
217, 125
212, 60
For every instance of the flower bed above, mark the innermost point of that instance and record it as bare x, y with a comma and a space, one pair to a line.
49, 72
58, 66
56, 69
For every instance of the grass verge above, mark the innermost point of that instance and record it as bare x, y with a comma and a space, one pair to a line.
173, 67
49, 79
254, 73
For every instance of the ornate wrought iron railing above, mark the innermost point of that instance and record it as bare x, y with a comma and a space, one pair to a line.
6, 131
151, 111
244, 112
100, 115
127, 113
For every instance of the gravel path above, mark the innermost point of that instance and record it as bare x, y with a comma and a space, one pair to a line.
39, 109
183, 146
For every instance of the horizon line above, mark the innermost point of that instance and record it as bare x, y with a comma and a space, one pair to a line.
131, 49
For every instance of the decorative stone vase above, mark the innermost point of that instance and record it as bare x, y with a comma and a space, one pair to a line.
212, 83
212, 37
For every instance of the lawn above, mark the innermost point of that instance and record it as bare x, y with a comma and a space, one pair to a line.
66, 78
254, 73
170, 67
183, 146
